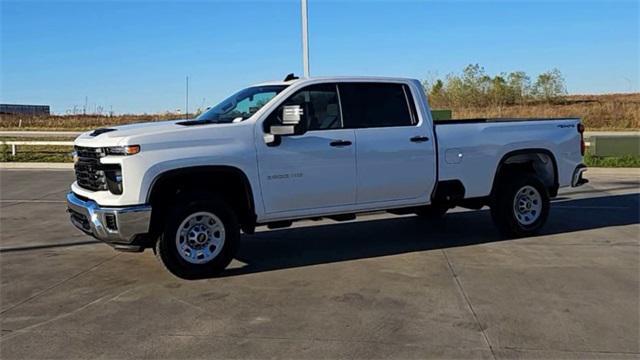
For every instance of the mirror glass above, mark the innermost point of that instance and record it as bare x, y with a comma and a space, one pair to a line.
292, 114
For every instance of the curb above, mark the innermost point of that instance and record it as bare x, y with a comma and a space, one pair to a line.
36, 165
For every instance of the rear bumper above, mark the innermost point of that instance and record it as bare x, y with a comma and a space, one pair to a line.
116, 226
577, 179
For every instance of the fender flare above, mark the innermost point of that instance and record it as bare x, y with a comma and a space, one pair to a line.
528, 151
246, 184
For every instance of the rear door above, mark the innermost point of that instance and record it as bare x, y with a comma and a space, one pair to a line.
395, 154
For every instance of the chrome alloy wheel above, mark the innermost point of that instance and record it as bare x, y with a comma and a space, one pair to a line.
200, 237
527, 205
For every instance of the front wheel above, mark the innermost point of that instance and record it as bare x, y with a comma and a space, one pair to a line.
521, 206
200, 238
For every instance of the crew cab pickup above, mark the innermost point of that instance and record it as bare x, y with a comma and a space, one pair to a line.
310, 148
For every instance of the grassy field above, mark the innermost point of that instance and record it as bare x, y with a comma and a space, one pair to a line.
623, 161
75, 122
598, 112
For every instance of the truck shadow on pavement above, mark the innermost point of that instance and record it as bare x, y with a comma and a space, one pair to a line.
321, 244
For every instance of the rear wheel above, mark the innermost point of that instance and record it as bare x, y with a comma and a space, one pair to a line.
521, 205
200, 238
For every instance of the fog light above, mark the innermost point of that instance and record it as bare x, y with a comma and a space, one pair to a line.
114, 181
110, 221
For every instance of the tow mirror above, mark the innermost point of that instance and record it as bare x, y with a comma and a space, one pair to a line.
292, 114
292, 123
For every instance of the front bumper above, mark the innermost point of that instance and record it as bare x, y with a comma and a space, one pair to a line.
113, 225
577, 179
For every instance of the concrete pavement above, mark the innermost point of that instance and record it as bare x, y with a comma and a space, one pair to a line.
380, 287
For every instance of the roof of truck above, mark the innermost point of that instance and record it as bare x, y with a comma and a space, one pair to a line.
335, 78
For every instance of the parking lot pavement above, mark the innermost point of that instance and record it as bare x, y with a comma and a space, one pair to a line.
380, 287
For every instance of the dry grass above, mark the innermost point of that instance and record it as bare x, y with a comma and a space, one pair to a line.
607, 112
610, 112
76, 122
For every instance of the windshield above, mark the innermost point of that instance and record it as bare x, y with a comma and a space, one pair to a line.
241, 105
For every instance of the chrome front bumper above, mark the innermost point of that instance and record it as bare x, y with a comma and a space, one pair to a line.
109, 224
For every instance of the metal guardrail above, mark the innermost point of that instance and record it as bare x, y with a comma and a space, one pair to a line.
14, 144
52, 134
613, 145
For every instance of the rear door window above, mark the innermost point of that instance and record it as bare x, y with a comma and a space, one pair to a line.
371, 105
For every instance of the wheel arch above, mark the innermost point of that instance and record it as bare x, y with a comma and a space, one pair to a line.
230, 182
540, 161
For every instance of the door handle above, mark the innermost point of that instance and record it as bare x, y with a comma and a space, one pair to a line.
340, 143
419, 139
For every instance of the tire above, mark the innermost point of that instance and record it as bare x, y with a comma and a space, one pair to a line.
521, 205
200, 238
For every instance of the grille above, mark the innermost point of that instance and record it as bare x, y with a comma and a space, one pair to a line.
88, 171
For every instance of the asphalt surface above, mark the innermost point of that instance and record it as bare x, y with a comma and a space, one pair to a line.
379, 287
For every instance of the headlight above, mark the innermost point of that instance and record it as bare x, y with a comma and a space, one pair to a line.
122, 150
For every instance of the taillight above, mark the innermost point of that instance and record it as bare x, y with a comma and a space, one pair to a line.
583, 146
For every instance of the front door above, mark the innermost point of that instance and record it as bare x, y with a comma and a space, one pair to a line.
315, 170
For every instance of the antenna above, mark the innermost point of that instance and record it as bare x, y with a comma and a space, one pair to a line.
290, 77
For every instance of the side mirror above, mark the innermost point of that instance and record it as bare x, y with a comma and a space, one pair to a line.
292, 124
292, 114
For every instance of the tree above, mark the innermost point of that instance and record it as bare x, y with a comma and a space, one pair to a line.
519, 86
474, 88
437, 95
549, 86
499, 91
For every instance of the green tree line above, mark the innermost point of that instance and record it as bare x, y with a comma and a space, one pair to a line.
474, 88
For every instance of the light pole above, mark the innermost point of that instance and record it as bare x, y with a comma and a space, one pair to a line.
305, 38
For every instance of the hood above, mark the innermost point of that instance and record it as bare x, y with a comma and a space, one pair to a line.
112, 135
161, 132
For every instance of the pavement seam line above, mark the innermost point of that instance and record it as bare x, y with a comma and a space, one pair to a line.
468, 302
42, 292
27, 329
318, 339
570, 351
11, 249
229, 336
34, 201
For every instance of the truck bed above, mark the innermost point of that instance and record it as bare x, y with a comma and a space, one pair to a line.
472, 149
496, 120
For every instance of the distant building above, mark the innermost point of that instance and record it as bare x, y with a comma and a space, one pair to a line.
14, 109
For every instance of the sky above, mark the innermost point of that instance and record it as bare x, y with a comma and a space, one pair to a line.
134, 57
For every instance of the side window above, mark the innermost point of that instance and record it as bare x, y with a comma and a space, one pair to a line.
320, 104
368, 105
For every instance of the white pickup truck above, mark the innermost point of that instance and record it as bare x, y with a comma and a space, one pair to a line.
309, 148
